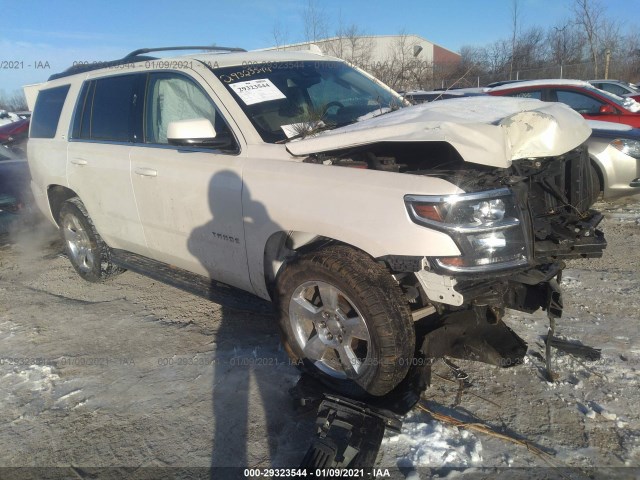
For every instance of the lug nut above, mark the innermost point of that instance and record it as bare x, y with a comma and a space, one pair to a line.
323, 324
329, 336
325, 314
340, 338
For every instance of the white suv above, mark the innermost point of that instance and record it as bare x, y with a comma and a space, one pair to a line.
307, 182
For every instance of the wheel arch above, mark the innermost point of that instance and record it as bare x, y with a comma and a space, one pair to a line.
600, 171
285, 245
57, 195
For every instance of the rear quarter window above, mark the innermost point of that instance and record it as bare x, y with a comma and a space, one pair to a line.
46, 114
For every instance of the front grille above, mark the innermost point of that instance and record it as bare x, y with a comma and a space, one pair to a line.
568, 185
560, 196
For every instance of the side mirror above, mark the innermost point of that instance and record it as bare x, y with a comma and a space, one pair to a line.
196, 132
607, 109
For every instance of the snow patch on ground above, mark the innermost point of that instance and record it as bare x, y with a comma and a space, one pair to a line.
35, 378
428, 443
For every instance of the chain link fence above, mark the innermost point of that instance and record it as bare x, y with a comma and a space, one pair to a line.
619, 70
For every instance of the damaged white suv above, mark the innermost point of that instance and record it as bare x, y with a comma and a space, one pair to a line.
307, 182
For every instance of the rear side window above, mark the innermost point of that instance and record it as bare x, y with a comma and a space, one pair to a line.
106, 109
581, 103
46, 114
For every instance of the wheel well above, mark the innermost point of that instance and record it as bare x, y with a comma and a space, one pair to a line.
599, 172
57, 195
282, 246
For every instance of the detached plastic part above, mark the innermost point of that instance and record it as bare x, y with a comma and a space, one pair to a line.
350, 431
349, 435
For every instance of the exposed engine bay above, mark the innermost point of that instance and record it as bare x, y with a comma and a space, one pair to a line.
552, 197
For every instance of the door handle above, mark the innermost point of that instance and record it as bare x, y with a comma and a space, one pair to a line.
146, 172
78, 161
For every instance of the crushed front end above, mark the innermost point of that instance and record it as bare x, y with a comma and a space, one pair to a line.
514, 227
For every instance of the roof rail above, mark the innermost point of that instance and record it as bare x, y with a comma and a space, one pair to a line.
135, 56
141, 51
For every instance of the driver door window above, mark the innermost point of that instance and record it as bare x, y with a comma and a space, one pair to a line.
174, 97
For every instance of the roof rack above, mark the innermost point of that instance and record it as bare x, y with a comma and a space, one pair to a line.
141, 51
135, 56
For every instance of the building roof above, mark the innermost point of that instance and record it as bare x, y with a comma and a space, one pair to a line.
330, 39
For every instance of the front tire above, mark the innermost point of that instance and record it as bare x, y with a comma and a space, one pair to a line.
87, 252
345, 319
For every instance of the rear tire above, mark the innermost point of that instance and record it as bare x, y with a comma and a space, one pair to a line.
345, 320
87, 252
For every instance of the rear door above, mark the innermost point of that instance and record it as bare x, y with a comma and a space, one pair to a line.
189, 199
106, 122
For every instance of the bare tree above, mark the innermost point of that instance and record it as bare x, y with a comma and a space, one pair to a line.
314, 22
529, 51
351, 44
588, 14
564, 44
14, 102
279, 34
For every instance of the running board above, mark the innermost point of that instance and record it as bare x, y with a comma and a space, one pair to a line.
217, 292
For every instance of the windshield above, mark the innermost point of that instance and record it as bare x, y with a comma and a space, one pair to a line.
611, 96
632, 88
294, 99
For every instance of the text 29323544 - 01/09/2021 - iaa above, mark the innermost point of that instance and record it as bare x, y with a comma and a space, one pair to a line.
307, 182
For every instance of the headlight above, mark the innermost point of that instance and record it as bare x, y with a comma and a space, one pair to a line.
486, 227
627, 146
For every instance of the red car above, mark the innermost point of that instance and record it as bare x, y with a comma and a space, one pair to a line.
592, 103
14, 132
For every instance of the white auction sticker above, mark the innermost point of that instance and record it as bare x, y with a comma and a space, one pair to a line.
257, 91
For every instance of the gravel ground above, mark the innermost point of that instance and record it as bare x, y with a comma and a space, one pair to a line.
134, 373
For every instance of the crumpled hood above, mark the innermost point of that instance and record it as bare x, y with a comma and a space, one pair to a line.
491, 131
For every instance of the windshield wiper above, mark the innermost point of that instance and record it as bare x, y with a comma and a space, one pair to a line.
308, 132
374, 113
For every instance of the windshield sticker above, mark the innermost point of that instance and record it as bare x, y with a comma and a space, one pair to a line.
244, 73
257, 91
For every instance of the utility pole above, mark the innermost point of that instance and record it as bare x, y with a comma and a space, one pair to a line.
607, 54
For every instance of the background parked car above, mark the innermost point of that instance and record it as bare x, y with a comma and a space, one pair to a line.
591, 103
14, 132
615, 153
618, 87
422, 96
8, 117
503, 82
15, 196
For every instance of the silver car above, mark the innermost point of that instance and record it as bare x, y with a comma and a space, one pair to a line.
615, 152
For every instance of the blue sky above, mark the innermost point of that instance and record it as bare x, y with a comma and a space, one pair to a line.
35, 32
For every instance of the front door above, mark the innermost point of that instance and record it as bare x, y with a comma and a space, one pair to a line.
189, 199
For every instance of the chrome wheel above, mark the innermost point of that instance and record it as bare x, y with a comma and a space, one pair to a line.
330, 330
78, 243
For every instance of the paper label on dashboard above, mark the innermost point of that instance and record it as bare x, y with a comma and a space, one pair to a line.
257, 91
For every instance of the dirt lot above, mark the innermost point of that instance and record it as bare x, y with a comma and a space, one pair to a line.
134, 373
